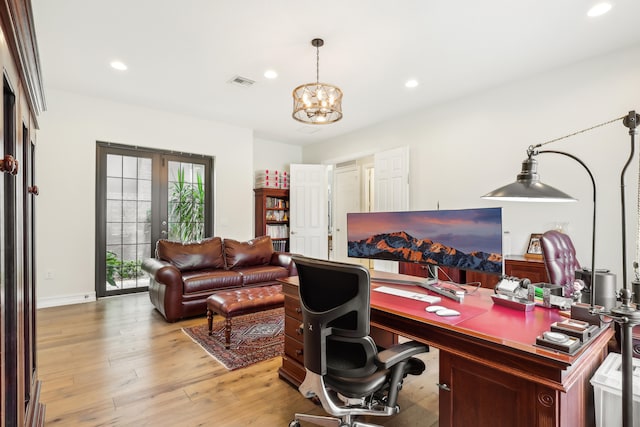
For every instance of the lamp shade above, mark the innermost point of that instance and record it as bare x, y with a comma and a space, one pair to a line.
528, 188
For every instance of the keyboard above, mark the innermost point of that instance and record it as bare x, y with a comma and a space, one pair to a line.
408, 294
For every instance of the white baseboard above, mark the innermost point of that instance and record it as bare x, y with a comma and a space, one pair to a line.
66, 300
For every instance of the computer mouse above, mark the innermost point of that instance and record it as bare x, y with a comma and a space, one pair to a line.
432, 308
448, 312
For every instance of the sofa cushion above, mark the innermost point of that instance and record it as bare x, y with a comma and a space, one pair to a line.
206, 254
262, 273
257, 251
210, 280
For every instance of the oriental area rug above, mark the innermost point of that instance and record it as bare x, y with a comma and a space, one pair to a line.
254, 338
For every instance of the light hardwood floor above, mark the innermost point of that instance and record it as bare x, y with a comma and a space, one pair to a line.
116, 362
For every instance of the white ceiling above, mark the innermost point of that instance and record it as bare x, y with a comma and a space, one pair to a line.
181, 54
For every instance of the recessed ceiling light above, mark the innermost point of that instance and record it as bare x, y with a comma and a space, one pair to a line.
411, 83
599, 9
118, 65
270, 74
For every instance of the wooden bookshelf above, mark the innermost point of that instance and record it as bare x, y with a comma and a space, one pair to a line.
272, 216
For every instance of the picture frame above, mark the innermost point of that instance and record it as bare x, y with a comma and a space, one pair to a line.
534, 247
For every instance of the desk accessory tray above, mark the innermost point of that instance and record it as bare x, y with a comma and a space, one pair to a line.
559, 341
576, 328
513, 302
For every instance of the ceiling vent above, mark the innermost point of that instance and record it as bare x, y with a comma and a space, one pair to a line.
241, 81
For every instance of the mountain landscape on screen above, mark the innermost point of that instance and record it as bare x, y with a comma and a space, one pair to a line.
400, 246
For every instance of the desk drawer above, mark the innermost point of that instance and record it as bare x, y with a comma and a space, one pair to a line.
292, 307
294, 349
292, 371
293, 328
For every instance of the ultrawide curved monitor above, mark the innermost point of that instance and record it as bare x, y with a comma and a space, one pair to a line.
467, 239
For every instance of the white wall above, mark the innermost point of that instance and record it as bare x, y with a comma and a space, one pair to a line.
66, 161
464, 149
275, 155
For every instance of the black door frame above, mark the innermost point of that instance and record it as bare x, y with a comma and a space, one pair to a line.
159, 182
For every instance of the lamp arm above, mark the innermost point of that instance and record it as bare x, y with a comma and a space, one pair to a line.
623, 211
533, 152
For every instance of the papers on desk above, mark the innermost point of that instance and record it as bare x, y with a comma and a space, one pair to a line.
430, 299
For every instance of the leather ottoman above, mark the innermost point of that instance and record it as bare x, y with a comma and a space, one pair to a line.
242, 301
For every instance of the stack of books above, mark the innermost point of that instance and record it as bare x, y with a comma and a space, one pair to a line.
269, 178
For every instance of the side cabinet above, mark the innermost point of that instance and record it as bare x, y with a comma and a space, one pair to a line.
494, 395
521, 267
22, 102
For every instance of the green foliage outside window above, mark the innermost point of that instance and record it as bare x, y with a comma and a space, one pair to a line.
121, 270
187, 209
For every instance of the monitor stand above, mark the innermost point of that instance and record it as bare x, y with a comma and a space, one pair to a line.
457, 296
418, 281
429, 283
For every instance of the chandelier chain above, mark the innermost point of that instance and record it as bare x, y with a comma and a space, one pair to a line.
580, 131
317, 64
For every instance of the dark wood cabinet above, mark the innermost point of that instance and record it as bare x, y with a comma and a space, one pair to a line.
485, 394
22, 102
272, 216
422, 270
514, 265
529, 268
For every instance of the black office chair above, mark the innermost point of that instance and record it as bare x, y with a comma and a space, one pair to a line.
343, 367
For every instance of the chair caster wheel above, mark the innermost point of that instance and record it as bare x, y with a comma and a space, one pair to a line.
294, 423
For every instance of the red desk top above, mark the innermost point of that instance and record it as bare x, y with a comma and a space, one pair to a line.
479, 317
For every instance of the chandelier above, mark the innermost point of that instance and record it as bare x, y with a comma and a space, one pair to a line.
317, 103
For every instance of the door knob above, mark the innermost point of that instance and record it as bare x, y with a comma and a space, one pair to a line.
444, 387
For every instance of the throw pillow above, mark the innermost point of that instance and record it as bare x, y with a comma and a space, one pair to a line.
257, 251
205, 254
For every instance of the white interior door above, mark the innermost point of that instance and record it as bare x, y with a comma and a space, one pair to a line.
391, 176
346, 185
308, 209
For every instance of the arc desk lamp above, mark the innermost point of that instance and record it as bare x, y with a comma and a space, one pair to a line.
528, 188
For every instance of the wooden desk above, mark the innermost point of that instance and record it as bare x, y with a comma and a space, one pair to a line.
490, 371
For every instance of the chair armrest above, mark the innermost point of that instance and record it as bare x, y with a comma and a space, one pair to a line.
283, 259
162, 271
393, 355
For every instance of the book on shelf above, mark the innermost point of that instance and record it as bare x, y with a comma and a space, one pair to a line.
279, 245
277, 231
275, 203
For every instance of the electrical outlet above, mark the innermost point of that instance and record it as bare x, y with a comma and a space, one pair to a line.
48, 275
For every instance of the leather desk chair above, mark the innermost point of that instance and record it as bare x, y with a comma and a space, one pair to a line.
560, 260
343, 367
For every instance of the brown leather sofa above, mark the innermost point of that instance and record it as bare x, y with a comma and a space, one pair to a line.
184, 275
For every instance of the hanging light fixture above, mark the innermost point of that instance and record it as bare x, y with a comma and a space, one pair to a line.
317, 103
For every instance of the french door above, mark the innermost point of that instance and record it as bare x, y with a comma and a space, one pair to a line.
143, 195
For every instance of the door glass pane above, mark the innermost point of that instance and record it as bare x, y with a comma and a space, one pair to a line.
186, 191
128, 192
